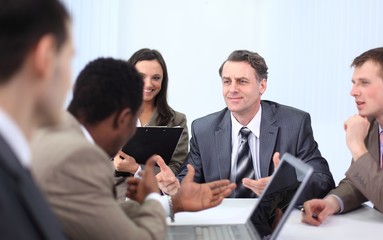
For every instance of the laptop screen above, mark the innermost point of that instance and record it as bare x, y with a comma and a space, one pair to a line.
280, 196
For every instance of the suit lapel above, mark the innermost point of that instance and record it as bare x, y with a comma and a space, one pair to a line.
29, 195
267, 138
223, 146
153, 119
373, 141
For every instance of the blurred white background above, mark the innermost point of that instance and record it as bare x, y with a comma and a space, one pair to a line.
308, 46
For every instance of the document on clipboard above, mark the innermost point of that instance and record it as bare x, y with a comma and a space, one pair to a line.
148, 141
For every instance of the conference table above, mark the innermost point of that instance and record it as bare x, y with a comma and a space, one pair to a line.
362, 223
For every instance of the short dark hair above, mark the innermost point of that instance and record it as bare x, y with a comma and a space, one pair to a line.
104, 87
23, 23
160, 101
254, 59
375, 55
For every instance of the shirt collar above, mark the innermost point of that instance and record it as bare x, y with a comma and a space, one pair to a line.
254, 125
87, 134
15, 138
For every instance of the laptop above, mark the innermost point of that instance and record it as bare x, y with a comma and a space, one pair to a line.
269, 213
147, 141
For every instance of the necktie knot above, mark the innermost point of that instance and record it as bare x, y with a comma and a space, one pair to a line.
245, 132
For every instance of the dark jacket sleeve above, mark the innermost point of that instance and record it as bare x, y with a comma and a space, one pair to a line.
322, 180
193, 158
181, 151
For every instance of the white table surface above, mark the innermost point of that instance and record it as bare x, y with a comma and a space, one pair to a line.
363, 223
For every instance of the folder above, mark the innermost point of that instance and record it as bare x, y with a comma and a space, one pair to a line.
148, 141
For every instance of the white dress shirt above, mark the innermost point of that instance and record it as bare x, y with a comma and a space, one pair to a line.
254, 126
15, 138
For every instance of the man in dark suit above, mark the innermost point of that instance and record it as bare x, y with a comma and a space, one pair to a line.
364, 138
275, 128
35, 53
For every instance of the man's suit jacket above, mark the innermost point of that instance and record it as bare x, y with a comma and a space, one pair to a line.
364, 178
24, 213
77, 179
283, 129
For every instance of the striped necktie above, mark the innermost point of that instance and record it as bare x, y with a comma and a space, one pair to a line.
245, 168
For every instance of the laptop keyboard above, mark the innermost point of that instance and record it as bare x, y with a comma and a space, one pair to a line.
224, 232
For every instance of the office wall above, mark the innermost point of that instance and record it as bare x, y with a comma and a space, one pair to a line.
308, 46
95, 31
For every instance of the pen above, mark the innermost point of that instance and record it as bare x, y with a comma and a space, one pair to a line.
313, 215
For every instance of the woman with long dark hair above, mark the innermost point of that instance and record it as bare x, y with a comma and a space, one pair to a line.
155, 108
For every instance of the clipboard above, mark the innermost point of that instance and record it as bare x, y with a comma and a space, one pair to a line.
148, 141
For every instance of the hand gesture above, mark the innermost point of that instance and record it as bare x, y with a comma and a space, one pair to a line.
138, 189
125, 163
194, 197
356, 128
166, 179
315, 211
259, 185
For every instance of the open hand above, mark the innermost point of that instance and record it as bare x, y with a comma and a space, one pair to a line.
195, 197
259, 185
167, 181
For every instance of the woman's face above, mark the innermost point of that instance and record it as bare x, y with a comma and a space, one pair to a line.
152, 73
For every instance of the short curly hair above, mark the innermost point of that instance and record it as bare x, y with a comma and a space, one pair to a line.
104, 87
